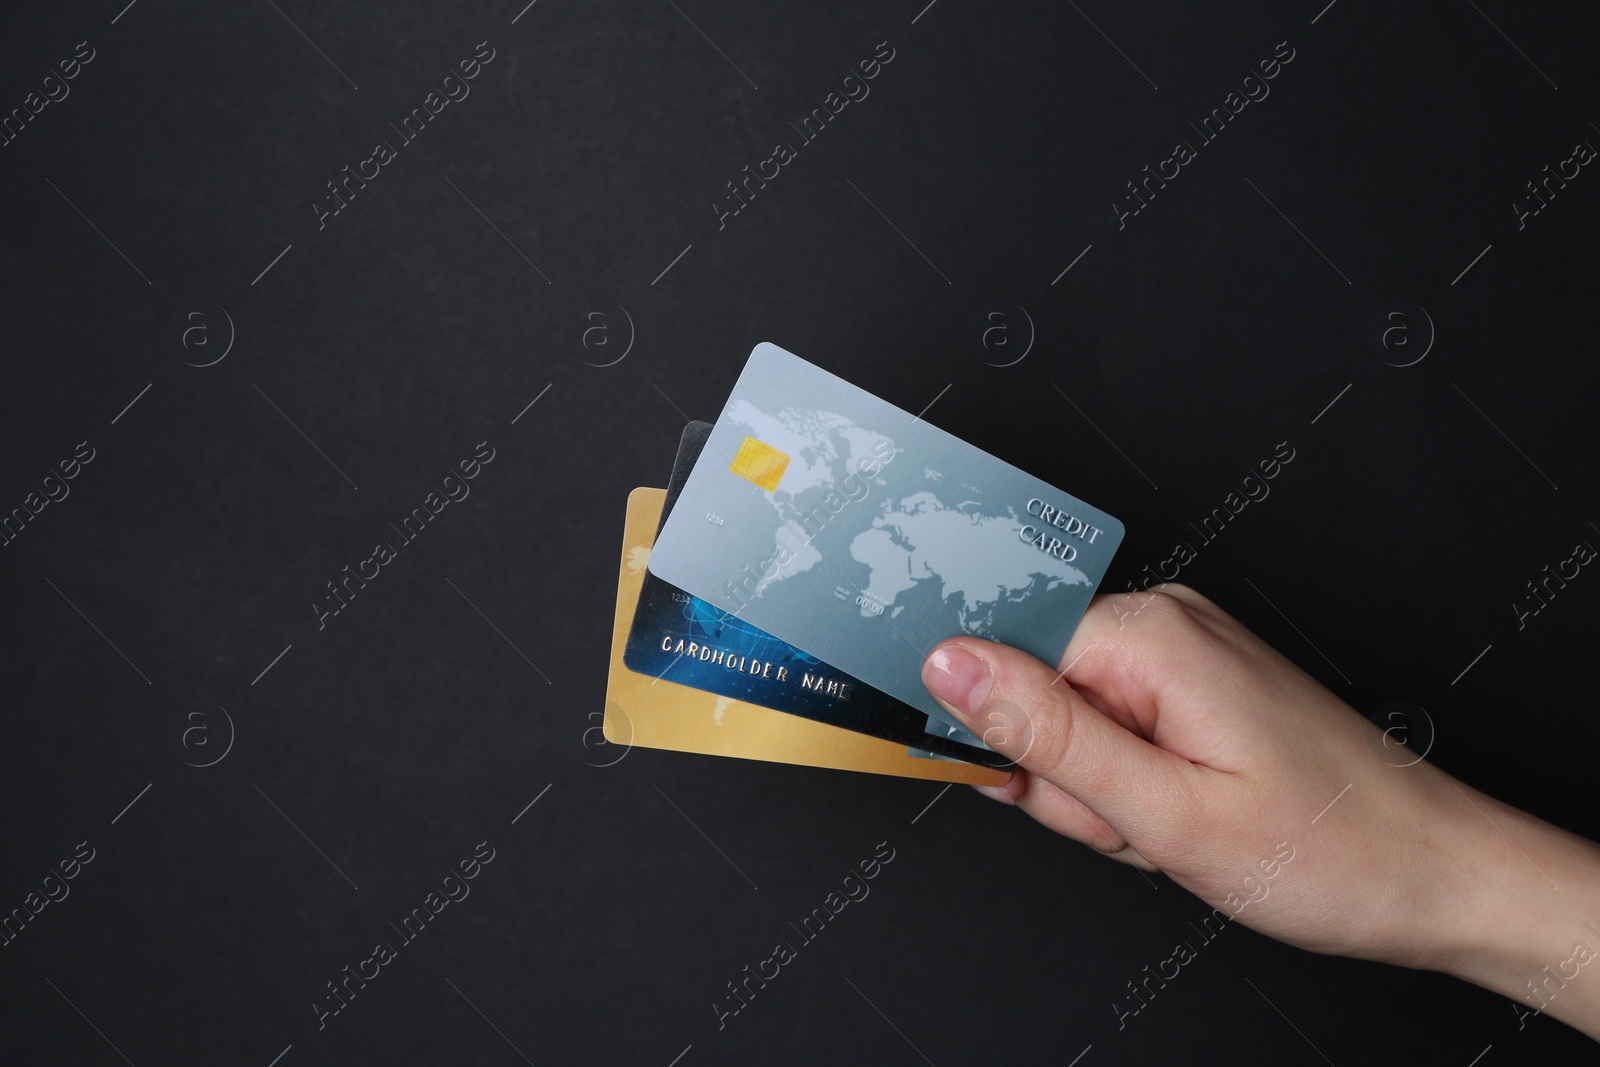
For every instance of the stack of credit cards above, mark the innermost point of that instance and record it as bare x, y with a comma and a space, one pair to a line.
777, 600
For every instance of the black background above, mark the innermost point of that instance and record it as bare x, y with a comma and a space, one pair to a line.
406, 331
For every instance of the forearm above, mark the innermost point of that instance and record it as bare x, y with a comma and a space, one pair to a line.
1529, 924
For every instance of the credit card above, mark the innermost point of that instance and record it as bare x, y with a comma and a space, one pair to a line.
681, 638
643, 713
859, 533
690, 444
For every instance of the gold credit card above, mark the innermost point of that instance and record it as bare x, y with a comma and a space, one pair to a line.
648, 712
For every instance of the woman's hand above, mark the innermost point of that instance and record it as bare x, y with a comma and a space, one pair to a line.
1174, 739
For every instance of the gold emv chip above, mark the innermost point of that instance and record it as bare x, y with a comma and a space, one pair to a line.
760, 463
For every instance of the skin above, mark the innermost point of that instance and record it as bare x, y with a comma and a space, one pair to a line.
1174, 739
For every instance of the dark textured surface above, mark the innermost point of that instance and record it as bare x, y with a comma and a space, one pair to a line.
410, 727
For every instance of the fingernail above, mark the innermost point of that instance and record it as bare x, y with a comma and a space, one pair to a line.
996, 792
957, 677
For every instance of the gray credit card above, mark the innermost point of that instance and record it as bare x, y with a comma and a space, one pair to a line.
862, 535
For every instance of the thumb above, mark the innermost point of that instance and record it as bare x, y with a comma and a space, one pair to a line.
1022, 709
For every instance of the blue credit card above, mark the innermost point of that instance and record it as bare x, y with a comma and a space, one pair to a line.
844, 526
682, 639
